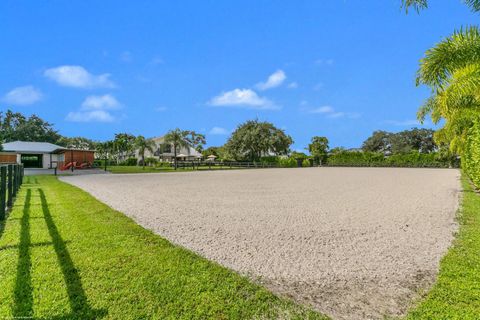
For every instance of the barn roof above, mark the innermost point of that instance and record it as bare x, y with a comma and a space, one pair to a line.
27, 146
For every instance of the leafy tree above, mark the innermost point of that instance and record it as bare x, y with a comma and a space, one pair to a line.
104, 150
298, 155
420, 140
379, 141
184, 138
15, 126
124, 144
318, 148
215, 151
80, 143
253, 139
142, 145
337, 150
196, 140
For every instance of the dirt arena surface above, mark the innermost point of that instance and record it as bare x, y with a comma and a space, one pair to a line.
354, 243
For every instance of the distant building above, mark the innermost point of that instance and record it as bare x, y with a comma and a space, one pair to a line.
164, 151
42, 154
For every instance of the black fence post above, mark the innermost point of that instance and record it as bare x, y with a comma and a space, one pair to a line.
17, 179
3, 190
22, 173
14, 181
10, 186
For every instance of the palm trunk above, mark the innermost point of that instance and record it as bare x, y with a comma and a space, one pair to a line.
175, 155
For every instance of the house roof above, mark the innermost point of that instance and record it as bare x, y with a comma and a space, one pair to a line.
27, 146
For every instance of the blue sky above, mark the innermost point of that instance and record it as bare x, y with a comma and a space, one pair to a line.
340, 69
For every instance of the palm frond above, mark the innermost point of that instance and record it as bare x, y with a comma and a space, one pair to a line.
454, 52
462, 92
416, 4
473, 4
423, 4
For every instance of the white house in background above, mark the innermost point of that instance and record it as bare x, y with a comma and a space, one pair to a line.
164, 151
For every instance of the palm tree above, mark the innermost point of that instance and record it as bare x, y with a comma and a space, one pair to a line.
184, 139
144, 144
452, 70
423, 4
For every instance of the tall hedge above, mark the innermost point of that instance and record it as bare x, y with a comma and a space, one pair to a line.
377, 159
471, 155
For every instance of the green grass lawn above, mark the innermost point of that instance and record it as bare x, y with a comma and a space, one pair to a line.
456, 294
65, 255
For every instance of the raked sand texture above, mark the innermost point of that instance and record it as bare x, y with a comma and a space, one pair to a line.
355, 243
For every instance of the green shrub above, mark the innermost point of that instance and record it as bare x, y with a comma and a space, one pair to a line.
287, 162
376, 159
150, 161
306, 163
162, 164
270, 159
101, 163
471, 155
298, 155
129, 162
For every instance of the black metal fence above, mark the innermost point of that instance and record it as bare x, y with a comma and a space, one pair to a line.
223, 165
11, 178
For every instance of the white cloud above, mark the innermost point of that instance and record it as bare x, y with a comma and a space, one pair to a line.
78, 77
404, 123
95, 109
23, 96
330, 112
292, 85
242, 98
105, 102
90, 116
274, 80
218, 131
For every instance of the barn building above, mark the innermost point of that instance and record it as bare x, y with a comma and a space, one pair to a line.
43, 154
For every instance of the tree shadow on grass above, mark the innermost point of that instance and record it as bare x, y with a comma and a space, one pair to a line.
23, 298
76, 294
23, 292
3, 222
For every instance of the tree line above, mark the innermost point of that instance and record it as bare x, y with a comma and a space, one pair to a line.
252, 140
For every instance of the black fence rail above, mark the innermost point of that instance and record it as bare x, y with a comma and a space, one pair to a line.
223, 165
11, 178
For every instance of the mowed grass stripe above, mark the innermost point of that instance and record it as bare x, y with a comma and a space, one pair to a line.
63, 254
